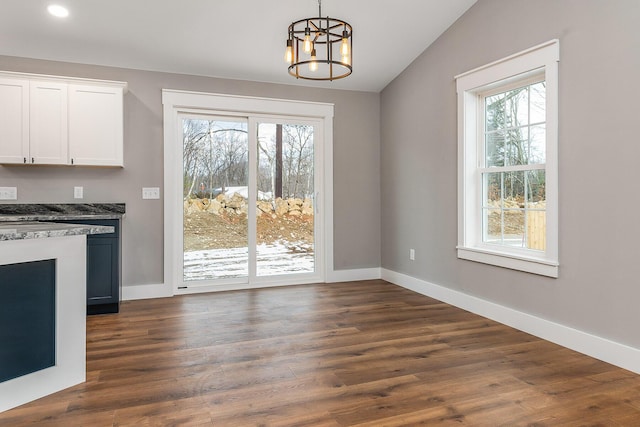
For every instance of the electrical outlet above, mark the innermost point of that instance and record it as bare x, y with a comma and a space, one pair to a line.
150, 193
8, 193
78, 192
412, 254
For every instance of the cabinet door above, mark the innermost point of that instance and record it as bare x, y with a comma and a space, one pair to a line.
14, 120
28, 318
102, 271
95, 125
48, 123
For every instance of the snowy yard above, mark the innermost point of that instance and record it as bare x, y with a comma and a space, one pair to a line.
272, 259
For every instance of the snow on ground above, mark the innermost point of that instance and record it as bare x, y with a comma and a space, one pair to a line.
272, 259
243, 191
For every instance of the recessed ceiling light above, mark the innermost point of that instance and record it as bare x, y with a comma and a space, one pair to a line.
58, 11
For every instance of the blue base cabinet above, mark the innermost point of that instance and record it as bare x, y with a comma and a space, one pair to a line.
104, 272
27, 318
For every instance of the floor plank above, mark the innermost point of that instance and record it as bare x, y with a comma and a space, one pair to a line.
347, 354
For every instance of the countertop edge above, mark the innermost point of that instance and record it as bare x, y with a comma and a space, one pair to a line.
59, 217
60, 211
10, 231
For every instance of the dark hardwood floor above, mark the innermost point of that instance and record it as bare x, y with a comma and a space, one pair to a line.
347, 354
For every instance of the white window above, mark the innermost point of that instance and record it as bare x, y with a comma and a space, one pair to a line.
507, 162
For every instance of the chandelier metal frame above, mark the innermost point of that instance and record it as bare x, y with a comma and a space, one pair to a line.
329, 55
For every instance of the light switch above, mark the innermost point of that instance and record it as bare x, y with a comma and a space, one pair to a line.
8, 193
150, 193
78, 192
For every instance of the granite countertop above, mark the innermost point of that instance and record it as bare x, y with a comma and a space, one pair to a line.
39, 230
60, 211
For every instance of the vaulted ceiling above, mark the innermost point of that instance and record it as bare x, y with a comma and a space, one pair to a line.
237, 39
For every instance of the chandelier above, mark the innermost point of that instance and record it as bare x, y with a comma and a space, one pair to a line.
319, 48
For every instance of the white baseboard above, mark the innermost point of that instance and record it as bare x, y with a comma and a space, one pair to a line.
244, 286
353, 275
134, 292
600, 348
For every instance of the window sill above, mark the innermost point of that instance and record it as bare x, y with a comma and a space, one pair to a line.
541, 267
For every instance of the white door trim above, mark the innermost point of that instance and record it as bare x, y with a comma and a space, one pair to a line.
176, 102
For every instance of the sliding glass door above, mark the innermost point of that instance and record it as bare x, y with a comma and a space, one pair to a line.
250, 191
215, 183
285, 223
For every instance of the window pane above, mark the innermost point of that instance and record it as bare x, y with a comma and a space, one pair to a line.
492, 190
492, 226
538, 102
517, 107
537, 145
503, 208
514, 227
516, 146
537, 230
504, 202
513, 205
495, 149
513, 189
494, 112
537, 216
515, 127
536, 197
506, 227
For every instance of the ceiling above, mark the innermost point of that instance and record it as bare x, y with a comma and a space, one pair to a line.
238, 39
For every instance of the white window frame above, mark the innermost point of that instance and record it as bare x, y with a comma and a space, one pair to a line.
520, 67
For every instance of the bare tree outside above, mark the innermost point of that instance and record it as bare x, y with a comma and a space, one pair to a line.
514, 195
216, 205
215, 156
297, 160
285, 184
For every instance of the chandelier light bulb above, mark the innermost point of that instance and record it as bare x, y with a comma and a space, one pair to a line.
307, 45
344, 47
288, 53
313, 65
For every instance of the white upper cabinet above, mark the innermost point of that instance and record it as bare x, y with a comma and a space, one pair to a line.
95, 125
51, 120
14, 123
48, 123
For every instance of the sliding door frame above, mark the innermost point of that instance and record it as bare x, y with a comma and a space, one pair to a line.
177, 103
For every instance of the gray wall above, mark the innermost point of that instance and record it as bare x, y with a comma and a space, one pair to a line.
356, 163
598, 289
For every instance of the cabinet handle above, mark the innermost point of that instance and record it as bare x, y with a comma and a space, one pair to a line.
71, 161
33, 160
25, 160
